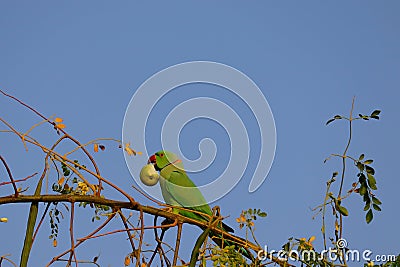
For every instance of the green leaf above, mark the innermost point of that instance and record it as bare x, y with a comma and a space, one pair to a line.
372, 182
361, 177
337, 117
375, 112
262, 214
329, 121
343, 210
376, 207
360, 166
361, 157
367, 206
368, 161
286, 246
363, 190
370, 170
376, 201
366, 198
369, 216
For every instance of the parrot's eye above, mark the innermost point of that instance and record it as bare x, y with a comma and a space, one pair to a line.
162, 155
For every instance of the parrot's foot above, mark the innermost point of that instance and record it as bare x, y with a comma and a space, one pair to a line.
168, 209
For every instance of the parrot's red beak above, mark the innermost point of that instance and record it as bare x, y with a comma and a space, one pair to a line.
152, 159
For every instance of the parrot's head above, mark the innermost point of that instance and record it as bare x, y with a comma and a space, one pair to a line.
163, 158
149, 174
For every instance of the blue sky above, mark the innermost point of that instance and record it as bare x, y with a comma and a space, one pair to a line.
83, 62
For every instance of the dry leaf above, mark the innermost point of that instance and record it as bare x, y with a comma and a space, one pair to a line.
127, 261
129, 150
54, 242
96, 148
58, 120
61, 181
60, 126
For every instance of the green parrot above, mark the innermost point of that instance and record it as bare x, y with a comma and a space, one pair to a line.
178, 190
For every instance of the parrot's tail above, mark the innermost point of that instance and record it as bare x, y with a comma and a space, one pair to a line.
227, 228
221, 242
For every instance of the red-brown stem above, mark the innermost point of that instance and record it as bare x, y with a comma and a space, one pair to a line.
10, 175
128, 233
141, 218
177, 243
61, 130
71, 234
41, 221
83, 239
20, 180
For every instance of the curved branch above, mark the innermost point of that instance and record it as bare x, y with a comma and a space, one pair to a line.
9, 175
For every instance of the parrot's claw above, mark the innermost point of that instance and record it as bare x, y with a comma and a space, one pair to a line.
168, 209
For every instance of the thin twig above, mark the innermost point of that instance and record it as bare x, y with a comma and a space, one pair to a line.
347, 148
158, 240
61, 130
20, 180
83, 239
177, 243
121, 215
4, 257
71, 234
328, 185
41, 221
47, 150
142, 227
131, 229
91, 142
344, 169
10, 175
33, 211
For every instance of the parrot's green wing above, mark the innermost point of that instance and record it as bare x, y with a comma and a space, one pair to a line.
187, 195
